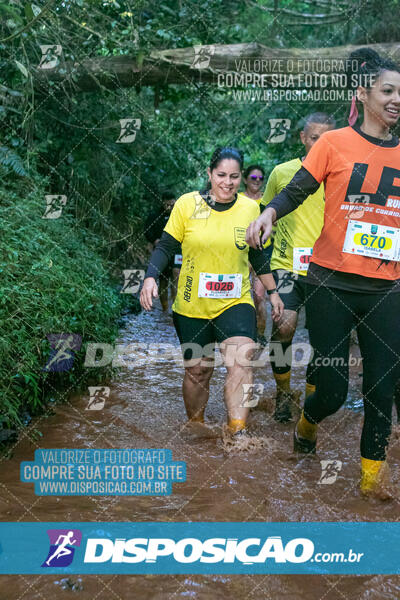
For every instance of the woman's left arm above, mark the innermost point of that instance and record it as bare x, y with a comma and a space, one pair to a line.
275, 299
259, 260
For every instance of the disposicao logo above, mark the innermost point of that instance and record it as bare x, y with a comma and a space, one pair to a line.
191, 550
62, 547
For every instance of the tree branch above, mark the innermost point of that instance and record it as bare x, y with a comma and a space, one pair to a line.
82, 26
28, 25
293, 13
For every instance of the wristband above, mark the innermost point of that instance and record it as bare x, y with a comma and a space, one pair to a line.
269, 292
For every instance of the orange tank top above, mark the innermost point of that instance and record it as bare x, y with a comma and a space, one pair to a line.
362, 185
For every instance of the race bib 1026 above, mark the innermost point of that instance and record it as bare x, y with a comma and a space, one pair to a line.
212, 285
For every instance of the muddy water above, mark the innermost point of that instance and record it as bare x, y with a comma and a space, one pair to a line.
145, 410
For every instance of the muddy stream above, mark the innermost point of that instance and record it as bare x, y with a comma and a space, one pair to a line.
145, 410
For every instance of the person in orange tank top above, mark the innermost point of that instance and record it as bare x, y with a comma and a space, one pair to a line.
354, 276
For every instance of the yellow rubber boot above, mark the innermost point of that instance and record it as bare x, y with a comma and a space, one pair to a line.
282, 381
284, 399
370, 474
235, 425
305, 436
307, 430
310, 389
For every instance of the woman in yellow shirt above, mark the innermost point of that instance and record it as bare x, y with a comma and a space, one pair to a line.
213, 302
253, 178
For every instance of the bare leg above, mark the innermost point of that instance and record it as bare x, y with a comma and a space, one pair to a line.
259, 302
281, 340
235, 351
284, 330
196, 385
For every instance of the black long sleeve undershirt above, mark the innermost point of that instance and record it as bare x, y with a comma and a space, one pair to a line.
260, 261
168, 246
300, 187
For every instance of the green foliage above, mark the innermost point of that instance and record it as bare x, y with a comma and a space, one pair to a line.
53, 281
9, 160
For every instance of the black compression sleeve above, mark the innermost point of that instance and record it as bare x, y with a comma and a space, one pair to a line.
259, 260
300, 187
162, 254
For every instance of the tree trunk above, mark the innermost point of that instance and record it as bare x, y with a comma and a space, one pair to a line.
199, 64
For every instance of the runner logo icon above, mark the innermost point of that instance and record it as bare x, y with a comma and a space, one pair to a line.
278, 130
129, 128
54, 206
202, 56
63, 346
133, 279
50, 56
62, 547
330, 470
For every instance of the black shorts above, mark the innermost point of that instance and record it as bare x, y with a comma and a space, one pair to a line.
292, 288
239, 320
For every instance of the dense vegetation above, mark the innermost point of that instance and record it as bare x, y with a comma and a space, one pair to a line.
64, 275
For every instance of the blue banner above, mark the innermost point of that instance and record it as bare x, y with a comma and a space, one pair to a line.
174, 548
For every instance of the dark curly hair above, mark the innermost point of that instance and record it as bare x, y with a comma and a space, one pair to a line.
223, 152
368, 66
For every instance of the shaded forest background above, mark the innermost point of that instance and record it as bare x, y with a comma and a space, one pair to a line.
65, 275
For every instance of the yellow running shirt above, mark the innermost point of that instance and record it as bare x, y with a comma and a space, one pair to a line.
269, 241
258, 199
299, 230
215, 269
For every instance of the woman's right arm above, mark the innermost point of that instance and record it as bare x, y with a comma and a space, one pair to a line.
166, 248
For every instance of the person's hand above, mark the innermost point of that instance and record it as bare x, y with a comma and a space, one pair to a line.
149, 291
277, 306
261, 225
